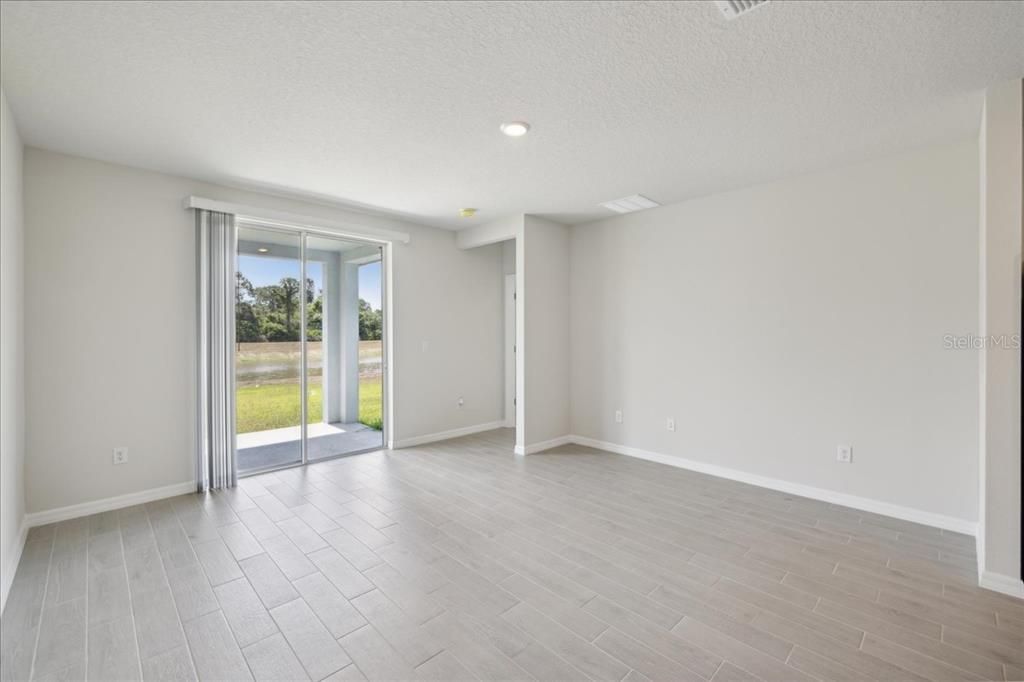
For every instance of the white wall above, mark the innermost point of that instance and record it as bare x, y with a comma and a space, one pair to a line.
777, 322
12, 350
110, 324
1001, 241
508, 254
493, 232
542, 318
450, 334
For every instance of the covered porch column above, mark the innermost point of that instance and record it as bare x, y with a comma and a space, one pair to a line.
340, 340
341, 333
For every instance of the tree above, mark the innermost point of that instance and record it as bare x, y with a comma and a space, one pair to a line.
289, 292
247, 324
370, 322
275, 331
244, 290
271, 312
315, 319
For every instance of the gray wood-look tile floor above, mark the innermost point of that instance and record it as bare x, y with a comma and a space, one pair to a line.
460, 561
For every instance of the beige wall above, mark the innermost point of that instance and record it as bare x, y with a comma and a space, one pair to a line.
110, 323
12, 349
776, 322
1001, 237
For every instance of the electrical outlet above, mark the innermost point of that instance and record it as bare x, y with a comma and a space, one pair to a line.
120, 455
670, 424
460, 401
844, 454
618, 416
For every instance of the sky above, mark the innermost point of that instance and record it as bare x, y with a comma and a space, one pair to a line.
262, 271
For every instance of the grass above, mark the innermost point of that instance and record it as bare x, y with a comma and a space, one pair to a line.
275, 406
370, 402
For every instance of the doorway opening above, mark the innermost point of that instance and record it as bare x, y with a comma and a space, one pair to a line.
309, 351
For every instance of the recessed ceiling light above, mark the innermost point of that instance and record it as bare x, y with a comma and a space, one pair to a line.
467, 212
515, 128
263, 249
637, 202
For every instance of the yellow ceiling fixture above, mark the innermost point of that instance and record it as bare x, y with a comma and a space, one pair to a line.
467, 212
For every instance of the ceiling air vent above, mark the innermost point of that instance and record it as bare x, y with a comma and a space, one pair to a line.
734, 8
637, 202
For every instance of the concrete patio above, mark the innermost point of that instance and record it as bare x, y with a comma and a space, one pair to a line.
278, 447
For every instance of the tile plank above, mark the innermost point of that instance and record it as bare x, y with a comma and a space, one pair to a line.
318, 652
457, 560
113, 654
271, 659
267, 579
246, 615
333, 610
215, 653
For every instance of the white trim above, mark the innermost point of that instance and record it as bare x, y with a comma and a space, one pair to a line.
12, 564
74, 511
388, 412
844, 499
271, 216
997, 582
534, 448
445, 435
979, 543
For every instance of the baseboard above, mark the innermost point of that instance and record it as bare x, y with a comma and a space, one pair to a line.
12, 564
74, 511
1006, 584
446, 435
534, 448
822, 494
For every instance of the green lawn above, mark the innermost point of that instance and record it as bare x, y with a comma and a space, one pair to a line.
370, 408
274, 406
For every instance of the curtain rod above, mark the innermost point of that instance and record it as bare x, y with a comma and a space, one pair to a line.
267, 215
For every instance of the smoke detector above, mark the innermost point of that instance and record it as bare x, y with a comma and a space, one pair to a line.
734, 8
637, 202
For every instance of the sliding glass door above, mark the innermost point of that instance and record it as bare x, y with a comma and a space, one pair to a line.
309, 360
268, 357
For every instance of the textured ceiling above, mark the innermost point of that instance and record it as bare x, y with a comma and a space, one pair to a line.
396, 106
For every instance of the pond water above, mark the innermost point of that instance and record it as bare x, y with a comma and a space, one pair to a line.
262, 363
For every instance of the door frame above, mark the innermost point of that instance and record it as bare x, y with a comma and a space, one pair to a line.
387, 334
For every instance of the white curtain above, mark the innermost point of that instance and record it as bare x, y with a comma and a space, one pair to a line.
215, 446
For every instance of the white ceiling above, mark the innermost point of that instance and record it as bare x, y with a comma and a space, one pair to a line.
396, 106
